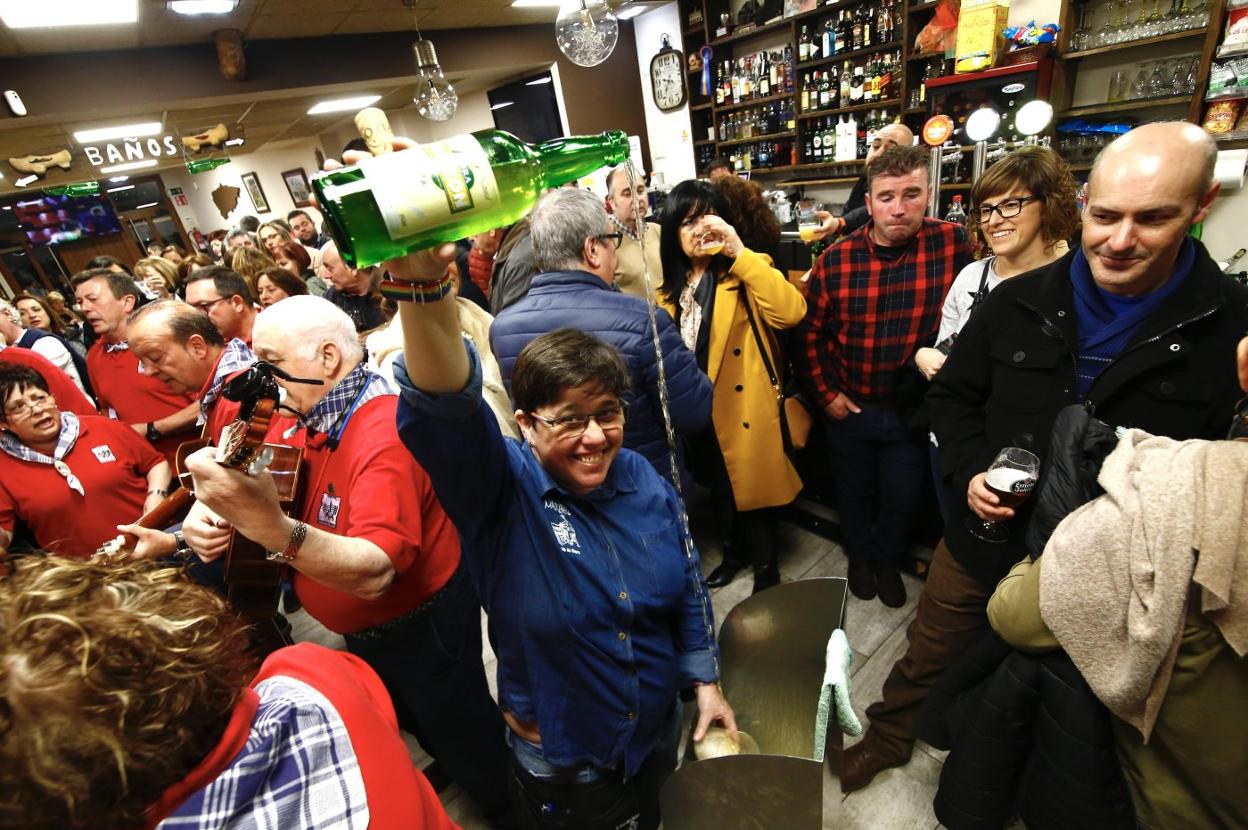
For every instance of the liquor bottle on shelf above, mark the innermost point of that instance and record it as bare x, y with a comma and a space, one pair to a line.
825, 92
788, 68
831, 136
719, 86
829, 39
927, 76
883, 23
856, 86
834, 88
764, 77
846, 84
805, 101
855, 36
868, 23
790, 115
390, 205
775, 72
872, 124
808, 154
842, 37
860, 138
956, 213
803, 44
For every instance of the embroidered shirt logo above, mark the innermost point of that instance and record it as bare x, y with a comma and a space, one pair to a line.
565, 535
103, 454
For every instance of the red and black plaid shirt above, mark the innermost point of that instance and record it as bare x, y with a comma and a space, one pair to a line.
867, 315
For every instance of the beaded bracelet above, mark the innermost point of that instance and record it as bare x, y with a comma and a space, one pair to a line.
429, 291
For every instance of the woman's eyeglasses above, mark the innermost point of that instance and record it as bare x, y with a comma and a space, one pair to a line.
574, 426
1007, 209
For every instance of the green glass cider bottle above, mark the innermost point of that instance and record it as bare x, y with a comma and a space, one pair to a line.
75, 189
390, 205
398, 202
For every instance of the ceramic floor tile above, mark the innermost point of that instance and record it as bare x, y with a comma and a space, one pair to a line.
869, 679
898, 799
868, 622
800, 550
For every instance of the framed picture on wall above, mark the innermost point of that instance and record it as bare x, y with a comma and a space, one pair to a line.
297, 183
252, 182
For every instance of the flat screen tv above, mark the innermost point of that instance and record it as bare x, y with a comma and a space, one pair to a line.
53, 220
527, 108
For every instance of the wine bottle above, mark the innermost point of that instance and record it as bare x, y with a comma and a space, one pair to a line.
391, 205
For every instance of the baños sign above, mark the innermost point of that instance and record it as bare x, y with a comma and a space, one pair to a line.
132, 149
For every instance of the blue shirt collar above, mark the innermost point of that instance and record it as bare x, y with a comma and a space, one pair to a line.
571, 278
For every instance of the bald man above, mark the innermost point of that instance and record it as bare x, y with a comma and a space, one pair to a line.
1137, 322
854, 214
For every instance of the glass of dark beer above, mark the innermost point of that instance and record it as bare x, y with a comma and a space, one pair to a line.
1012, 476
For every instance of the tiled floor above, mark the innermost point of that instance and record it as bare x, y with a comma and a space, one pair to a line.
899, 799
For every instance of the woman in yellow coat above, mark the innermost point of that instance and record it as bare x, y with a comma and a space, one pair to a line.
709, 279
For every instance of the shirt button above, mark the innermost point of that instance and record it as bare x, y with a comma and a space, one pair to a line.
1174, 347
1020, 356
623, 636
623, 594
1061, 314
740, 388
630, 716
736, 352
1166, 387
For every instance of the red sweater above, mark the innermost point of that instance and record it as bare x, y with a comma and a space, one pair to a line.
399, 797
371, 488
110, 459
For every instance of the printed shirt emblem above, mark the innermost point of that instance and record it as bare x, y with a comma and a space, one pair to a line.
327, 513
562, 527
103, 454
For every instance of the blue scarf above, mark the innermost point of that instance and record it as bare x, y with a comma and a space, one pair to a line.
1107, 322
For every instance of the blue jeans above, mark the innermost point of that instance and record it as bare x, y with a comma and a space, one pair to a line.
431, 665
877, 466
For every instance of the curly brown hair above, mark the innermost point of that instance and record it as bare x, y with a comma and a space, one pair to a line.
1043, 173
116, 680
749, 214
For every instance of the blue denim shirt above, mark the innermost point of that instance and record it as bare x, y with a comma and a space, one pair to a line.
597, 615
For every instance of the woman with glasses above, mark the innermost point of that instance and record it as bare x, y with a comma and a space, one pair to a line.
71, 479
598, 611
728, 301
1024, 209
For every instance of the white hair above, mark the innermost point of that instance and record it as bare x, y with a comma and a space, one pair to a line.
8, 309
310, 322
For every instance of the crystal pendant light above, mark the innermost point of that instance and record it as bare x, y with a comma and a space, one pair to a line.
586, 31
435, 98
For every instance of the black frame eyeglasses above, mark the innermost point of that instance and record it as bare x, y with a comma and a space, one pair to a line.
617, 238
1007, 209
574, 426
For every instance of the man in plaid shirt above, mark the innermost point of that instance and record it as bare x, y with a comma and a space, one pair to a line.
875, 298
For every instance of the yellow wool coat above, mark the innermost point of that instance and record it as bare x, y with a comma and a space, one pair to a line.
744, 408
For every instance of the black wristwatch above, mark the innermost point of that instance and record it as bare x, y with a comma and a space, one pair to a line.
153, 434
183, 550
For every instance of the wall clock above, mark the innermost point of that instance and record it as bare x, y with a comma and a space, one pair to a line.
667, 77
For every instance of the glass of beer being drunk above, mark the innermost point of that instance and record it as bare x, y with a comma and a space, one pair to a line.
808, 223
1011, 476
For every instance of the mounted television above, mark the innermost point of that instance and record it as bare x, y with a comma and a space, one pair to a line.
527, 108
53, 220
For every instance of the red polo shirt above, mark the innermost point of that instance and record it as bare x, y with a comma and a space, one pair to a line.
69, 398
399, 797
110, 459
133, 397
371, 488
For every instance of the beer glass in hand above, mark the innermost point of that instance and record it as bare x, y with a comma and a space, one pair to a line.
1012, 476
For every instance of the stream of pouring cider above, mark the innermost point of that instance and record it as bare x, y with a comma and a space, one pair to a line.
394, 203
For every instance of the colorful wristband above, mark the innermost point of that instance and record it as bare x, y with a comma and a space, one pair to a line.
418, 292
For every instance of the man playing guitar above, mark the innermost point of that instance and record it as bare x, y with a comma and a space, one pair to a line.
372, 553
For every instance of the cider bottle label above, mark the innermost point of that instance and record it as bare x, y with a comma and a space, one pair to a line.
431, 184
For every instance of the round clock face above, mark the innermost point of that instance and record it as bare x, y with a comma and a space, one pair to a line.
667, 79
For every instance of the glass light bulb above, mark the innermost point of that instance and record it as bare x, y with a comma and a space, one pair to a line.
586, 31
435, 98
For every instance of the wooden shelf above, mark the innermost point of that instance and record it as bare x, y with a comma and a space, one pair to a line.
700, 107
825, 9
890, 103
848, 56
752, 139
924, 56
702, 142
753, 102
955, 186
1135, 44
1125, 106
770, 171
919, 110
753, 32
809, 182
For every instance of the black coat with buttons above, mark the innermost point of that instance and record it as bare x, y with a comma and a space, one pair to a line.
1012, 369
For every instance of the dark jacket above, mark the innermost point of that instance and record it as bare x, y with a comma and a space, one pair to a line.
1027, 737
1013, 368
581, 300
854, 212
513, 268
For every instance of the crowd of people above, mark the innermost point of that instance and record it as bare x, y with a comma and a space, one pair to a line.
512, 424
